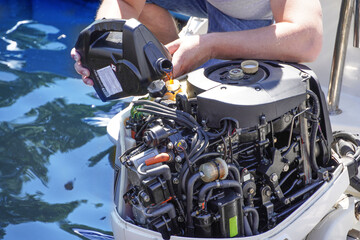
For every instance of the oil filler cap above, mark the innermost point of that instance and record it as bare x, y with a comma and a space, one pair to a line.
250, 66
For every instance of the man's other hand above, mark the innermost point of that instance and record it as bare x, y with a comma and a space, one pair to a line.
84, 72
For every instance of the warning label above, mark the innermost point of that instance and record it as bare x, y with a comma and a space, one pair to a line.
109, 81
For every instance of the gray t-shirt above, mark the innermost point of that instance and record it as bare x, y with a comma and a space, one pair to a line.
245, 9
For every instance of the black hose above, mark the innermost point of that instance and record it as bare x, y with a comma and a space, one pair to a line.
235, 171
189, 200
292, 186
205, 155
219, 184
314, 129
185, 169
255, 219
162, 170
181, 117
313, 134
166, 208
184, 178
217, 135
186, 123
225, 147
287, 176
247, 228
347, 136
144, 126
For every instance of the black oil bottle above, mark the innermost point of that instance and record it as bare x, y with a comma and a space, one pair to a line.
123, 57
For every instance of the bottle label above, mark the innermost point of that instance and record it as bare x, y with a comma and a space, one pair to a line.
108, 79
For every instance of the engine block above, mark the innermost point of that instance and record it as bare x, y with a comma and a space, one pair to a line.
231, 158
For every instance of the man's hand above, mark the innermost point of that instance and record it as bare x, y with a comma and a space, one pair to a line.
189, 53
84, 72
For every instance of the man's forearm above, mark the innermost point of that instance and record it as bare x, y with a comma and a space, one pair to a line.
119, 9
282, 41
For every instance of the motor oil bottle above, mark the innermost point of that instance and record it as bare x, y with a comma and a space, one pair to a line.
123, 57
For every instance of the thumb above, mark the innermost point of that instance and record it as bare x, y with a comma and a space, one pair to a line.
173, 46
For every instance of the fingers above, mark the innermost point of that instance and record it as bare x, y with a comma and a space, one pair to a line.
178, 66
87, 81
84, 72
173, 46
81, 70
75, 55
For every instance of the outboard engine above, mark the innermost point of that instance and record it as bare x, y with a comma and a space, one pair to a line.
227, 151
234, 156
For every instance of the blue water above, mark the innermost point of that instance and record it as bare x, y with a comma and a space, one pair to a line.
55, 158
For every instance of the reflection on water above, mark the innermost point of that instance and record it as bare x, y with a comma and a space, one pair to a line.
27, 34
16, 83
55, 158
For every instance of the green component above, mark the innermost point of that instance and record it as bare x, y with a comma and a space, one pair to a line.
233, 226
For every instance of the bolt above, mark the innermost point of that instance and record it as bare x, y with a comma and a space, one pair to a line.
268, 193
178, 159
257, 88
175, 181
180, 219
145, 197
273, 177
251, 191
304, 75
220, 148
286, 168
170, 145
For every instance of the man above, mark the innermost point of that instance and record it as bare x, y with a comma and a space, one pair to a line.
287, 30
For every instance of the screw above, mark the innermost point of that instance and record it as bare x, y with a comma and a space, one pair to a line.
273, 177
178, 159
175, 181
304, 75
251, 191
145, 197
170, 145
257, 88
180, 219
220, 148
268, 193
286, 168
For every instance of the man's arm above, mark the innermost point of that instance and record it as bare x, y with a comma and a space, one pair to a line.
296, 36
123, 9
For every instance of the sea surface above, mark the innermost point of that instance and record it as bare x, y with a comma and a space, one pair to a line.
56, 160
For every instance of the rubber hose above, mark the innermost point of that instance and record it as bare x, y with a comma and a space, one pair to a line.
255, 218
234, 171
189, 198
219, 184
